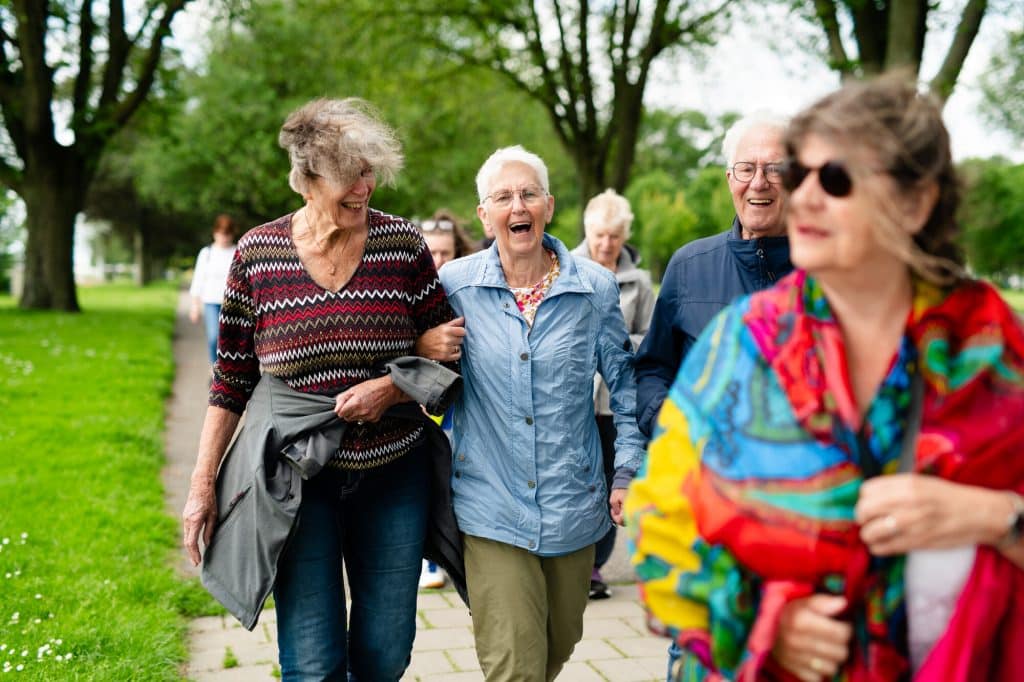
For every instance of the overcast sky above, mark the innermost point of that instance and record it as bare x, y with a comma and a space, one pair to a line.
744, 72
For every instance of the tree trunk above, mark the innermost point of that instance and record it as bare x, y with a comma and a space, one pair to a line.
591, 183
52, 201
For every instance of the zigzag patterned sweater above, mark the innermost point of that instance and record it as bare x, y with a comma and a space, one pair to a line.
317, 341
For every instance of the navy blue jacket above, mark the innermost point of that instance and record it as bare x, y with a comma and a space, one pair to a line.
702, 277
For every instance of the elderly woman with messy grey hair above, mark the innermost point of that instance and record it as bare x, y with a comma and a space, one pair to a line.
321, 299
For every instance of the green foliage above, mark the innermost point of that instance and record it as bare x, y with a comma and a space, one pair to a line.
662, 219
566, 225
230, 660
1002, 86
87, 564
1015, 299
708, 194
219, 151
680, 143
992, 215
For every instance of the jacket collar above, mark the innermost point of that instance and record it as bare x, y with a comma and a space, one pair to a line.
570, 279
753, 254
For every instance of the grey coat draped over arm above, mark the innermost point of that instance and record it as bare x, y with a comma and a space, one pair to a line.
288, 436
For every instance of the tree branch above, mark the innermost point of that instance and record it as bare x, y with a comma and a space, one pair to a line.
870, 28
904, 34
11, 177
35, 105
566, 65
586, 80
966, 32
80, 94
837, 57
150, 63
118, 48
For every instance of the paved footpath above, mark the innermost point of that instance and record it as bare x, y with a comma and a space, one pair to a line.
615, 647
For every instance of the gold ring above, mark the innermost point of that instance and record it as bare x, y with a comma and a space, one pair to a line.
817, 665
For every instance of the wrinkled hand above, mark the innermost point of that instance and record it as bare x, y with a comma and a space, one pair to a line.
199, 516
904, 512
615, 502
811, 643
443, 342
367, 401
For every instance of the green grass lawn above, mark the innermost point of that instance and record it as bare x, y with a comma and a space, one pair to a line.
87, 590
1014, 298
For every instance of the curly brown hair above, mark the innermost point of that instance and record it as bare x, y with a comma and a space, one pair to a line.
901, 129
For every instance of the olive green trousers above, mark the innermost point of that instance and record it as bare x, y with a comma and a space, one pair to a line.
527, 609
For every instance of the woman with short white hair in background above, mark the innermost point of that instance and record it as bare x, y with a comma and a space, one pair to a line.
607, 220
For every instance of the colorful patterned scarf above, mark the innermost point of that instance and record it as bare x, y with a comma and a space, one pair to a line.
757, 435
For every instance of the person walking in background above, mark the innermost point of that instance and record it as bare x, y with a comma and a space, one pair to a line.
834, 487
606, 221
528, 483
209, 278
703, 276
321, 300
445, 238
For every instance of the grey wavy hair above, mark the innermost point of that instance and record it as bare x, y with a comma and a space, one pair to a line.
608, 209
337, 139
762, 118
496, 161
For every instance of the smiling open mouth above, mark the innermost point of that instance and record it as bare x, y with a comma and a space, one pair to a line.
519, 228
759, 202
353, 205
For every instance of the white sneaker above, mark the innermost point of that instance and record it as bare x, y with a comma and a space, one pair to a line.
431, 576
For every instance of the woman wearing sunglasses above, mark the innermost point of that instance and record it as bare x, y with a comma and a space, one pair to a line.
847, 443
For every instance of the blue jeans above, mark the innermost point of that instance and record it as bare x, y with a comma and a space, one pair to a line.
377, 521
211, 321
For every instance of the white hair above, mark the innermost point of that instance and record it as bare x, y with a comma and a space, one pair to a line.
496, 161
608, 209
757, 119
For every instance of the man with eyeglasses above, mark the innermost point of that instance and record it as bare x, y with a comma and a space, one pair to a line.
707, 274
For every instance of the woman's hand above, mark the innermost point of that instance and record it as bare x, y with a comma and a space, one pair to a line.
367, 401
615, 502
811, 643
443, 342
194, 311
903, 512
200, 513
199, 516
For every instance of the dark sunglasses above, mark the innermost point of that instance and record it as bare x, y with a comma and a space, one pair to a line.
832, 175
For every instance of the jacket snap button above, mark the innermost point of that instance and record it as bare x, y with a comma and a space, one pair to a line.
524, 356
529, 421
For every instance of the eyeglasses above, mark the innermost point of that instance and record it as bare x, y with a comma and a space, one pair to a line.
531, 196
444, 225
832, 176
744, 171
